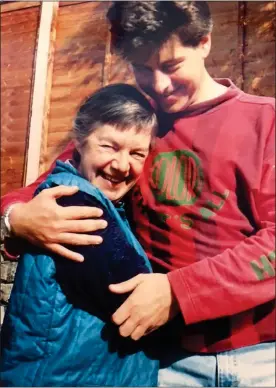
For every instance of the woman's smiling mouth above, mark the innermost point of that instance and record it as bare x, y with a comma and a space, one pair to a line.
112, 179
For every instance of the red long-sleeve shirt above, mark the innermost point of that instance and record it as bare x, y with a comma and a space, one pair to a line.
204, 211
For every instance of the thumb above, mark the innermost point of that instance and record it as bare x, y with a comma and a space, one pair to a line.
128, 285
62, 190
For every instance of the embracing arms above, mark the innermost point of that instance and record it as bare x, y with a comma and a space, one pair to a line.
43, 222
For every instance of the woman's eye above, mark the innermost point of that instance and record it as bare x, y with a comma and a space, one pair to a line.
139, 155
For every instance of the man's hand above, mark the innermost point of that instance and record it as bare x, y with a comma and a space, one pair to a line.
44, 223
150, 305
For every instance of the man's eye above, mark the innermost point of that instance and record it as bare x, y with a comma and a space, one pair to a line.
170, 69
107, 146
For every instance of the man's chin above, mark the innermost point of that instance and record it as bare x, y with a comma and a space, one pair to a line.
178, 106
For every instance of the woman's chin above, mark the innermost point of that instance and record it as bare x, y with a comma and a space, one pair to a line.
113, 196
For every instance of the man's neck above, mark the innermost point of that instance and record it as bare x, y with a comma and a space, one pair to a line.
210, 89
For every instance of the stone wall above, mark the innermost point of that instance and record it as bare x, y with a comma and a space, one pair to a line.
8, 269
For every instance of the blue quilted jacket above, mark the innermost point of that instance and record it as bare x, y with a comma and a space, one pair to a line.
57, 329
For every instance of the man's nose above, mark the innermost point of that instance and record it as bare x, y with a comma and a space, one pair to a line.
161, 81
121, 163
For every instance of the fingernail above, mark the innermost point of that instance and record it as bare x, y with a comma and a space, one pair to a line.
80, 259
99, 240
104, 224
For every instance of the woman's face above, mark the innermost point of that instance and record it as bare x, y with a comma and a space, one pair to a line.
113, 160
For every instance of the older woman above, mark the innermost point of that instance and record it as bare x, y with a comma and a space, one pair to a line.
57, 329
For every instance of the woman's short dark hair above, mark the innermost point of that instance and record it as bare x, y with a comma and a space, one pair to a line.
139, 27
119, 105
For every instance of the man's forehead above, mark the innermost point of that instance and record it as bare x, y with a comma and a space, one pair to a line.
170, 50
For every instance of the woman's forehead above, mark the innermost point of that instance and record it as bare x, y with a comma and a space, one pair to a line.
118, 135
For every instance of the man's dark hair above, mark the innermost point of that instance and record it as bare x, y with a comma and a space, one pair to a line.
119, 105
139, 27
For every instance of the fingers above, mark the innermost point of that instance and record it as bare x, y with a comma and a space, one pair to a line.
62, 251
127, 328
122, 314
131, 329
126, 286
61, 191
79, 239
84, 226
138, 333
80, 212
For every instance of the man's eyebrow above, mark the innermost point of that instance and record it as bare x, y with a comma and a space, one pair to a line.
173, 61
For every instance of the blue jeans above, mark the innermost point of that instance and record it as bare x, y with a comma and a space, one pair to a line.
251, 366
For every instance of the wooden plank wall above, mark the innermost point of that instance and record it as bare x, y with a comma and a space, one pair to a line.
18, 45
80, 50
259, 59
243, 49
224, 59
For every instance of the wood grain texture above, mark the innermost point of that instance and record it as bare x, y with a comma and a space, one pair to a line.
16, 5
260, 48
81, 35
224, 61
41, 89
66, 3
18, 42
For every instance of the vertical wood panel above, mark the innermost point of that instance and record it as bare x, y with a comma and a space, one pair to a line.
78, 70
224, 59
18, 43
42, 88
259, 66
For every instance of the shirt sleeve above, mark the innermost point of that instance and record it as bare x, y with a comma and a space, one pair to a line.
14, 246
241, 278
25, 194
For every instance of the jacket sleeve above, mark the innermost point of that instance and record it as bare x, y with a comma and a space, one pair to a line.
25, 194
237, 279
113, 261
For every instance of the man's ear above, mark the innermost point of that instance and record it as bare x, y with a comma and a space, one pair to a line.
205, 45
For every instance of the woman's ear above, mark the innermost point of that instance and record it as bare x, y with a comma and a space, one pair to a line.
76, 153
77, 145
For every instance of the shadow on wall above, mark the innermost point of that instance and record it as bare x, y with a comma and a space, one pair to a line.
84, 50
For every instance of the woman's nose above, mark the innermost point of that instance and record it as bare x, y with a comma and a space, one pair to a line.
121, 163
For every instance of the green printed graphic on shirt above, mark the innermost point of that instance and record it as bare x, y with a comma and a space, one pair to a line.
263, 267
176, 178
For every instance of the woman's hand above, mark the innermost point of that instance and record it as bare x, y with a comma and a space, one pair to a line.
44, 223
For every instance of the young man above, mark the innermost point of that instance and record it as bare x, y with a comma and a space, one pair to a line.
203, 208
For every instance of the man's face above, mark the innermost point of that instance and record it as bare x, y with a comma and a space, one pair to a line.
173, 75
113, 160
